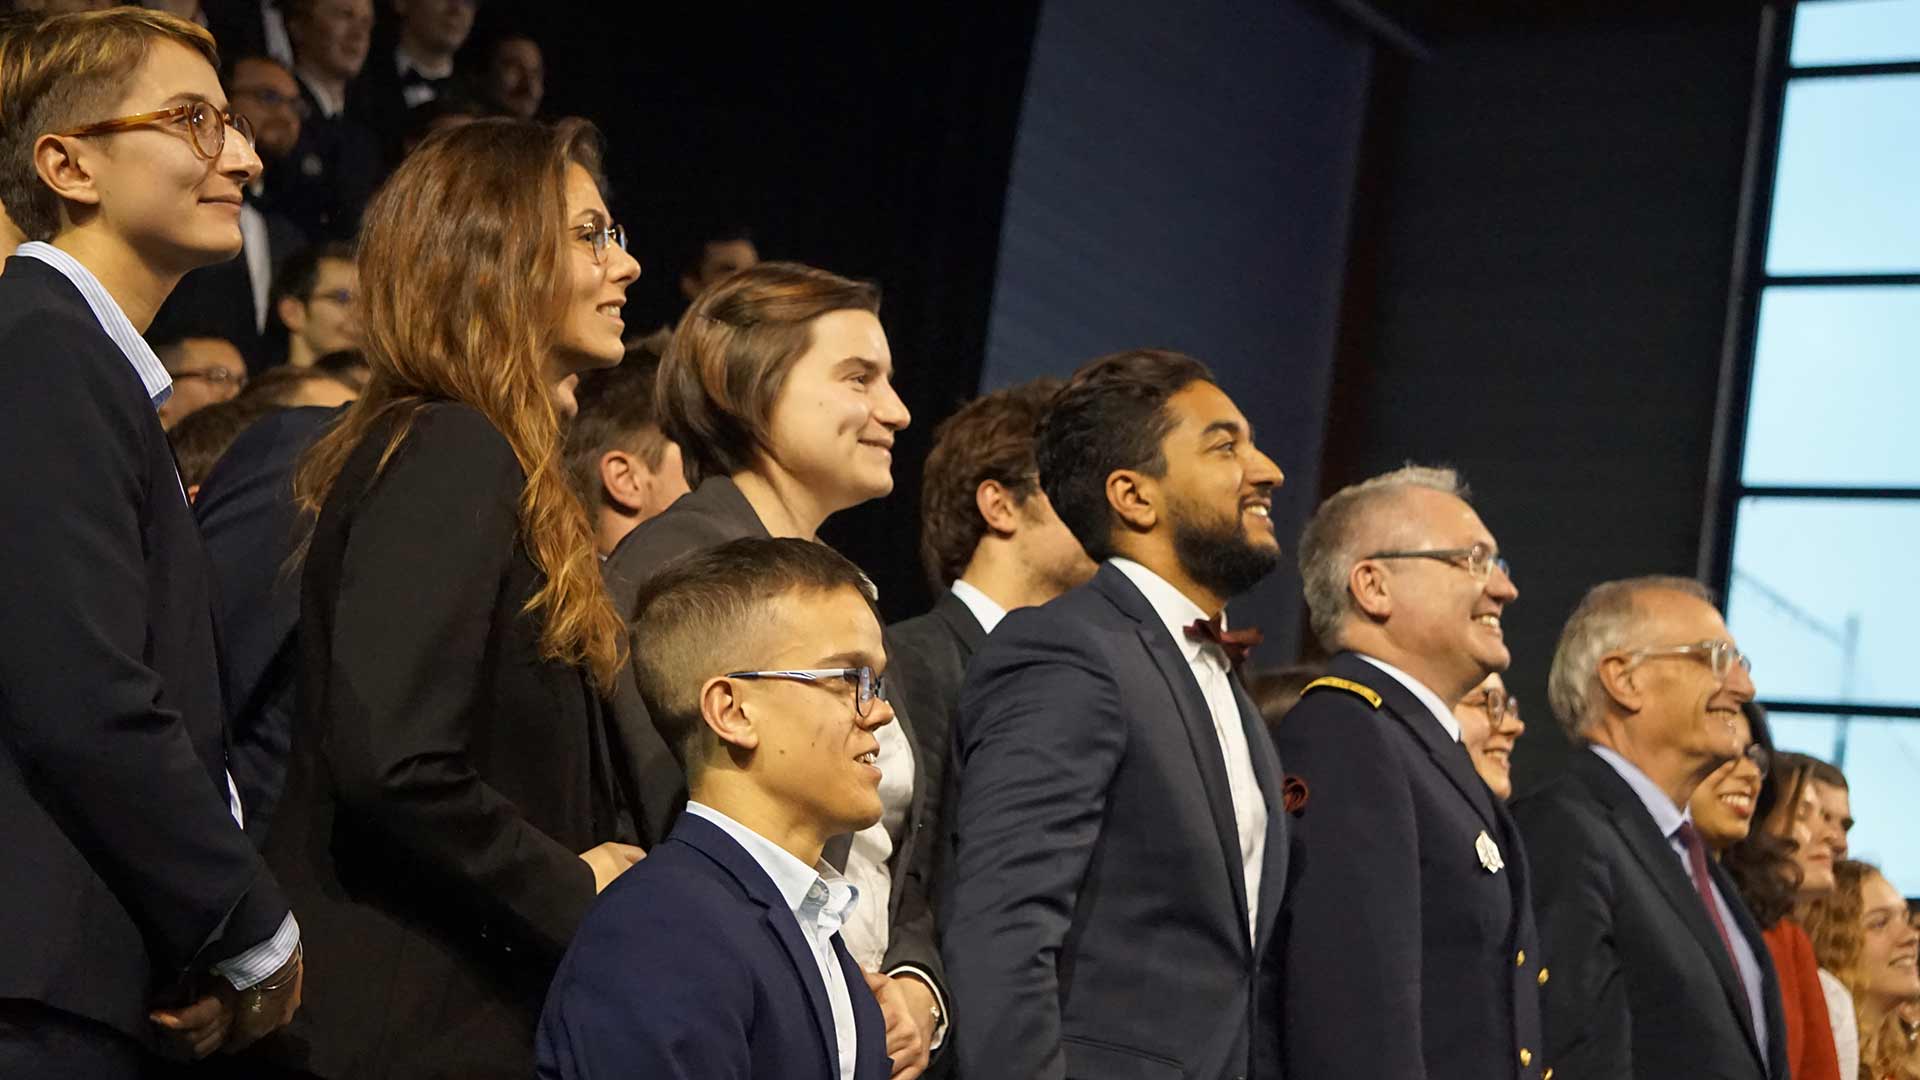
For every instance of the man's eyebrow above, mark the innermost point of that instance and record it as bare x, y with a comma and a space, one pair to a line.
1227, 427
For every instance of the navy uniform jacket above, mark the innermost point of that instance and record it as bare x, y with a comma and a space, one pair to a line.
1095, 922
1402, 956
1642, 984
692, 967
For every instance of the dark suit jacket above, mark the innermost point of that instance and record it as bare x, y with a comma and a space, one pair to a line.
710, 515
1642, 984
325, 182
692, 967
121, 860
252, 526
445, 776
217, 301
1095, 921
1403, 955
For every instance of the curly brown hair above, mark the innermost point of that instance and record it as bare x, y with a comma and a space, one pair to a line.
990, 438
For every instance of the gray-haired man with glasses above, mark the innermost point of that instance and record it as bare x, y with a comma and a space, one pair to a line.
1411, 950
1658, 969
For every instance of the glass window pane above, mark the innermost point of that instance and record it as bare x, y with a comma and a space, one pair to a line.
1855, 32
1836, 386
1823, 596
1881, 758
1849, 165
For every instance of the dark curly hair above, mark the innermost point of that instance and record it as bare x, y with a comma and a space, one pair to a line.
1762, 865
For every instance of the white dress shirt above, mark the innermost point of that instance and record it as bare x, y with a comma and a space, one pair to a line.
1844, 1021
820, 900
255, 964
254, 245
867, 932
1419, 689
1209, 666
1668, 818
985, 610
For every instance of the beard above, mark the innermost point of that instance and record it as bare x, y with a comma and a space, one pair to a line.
1220, 556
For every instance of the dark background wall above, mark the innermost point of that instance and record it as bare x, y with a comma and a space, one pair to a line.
1541, 262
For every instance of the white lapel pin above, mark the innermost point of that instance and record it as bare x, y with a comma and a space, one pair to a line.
1489, 853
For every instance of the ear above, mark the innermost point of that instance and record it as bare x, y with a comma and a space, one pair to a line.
623, 480
1369, 585
725, 714
63, 166
1135, 497
292, 312
998, 507
1616, 678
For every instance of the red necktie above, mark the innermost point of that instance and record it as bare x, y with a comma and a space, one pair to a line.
1235, 643
1703, 884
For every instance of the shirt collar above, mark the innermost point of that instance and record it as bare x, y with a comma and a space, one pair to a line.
1666, 816
985, 611
1174, 607
1419, 689
816, 894
153, 374
404, 61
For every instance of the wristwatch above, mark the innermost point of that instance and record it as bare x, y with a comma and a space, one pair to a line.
254, 998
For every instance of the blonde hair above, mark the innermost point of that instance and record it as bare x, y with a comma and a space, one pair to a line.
462, 267
63, 72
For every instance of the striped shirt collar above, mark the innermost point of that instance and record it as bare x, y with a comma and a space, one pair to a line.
153, 374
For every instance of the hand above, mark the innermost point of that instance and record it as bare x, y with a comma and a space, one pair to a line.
906, 1004
198, 1029
260, 1012
609, 861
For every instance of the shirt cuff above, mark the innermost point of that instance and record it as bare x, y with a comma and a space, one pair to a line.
253, 966
933, 984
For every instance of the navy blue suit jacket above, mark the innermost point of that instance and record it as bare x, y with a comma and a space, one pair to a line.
1095, 922
691, 967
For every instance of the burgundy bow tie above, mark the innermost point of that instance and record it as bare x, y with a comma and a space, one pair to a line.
1235, 643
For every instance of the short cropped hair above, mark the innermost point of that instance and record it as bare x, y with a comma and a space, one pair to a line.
280, 387
1604, 621
701, 616
616, 412
990, 438
1327, 544
64, 72
1111, 415
299, 275
731, 353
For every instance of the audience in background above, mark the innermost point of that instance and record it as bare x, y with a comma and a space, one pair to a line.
450, 808
336, 163
1413, 935
762, 662
349, 366
449, 110
623, 467
292, 388
204, 370
719, 252
1490, 725
778, 389
198, 440
1761, 863
514, 78
1658, 969
244, 27
418, 69
316, 298
1836, 803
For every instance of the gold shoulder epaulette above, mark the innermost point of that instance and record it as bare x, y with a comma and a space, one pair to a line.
1348, 685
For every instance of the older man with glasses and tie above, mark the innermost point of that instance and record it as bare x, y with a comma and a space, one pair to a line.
1659, 969
1410, 950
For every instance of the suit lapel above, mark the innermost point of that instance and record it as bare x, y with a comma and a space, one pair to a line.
1448, 754
966, 629
1195, 717
1662, 863
870, 1060
1267, 770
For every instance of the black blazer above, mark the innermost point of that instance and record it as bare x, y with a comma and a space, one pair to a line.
252, 526
1642, 984
1095, 921
692, 967
324, 183
122, 859
1403, 955
445, 776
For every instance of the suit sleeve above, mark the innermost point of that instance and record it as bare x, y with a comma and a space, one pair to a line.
1039, 738
80, 710
1351, 962
1588, 1016
648, 991
412, 655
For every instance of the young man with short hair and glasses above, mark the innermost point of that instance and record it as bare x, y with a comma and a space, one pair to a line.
137, 918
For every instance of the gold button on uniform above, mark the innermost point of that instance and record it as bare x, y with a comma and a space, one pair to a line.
1526, 1057
1542, 980
1520, 958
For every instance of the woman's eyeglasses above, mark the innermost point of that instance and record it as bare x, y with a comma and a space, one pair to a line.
600, 236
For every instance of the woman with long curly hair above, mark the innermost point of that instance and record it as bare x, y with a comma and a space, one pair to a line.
451, 810
1862, 934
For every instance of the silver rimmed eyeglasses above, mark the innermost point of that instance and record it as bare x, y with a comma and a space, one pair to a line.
1499, 705
1478, 560
1720, 656
599, 235
867, 685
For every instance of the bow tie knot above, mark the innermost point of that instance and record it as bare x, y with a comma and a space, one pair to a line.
1235, 643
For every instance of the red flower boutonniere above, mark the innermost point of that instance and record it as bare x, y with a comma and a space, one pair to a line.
1293, 795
